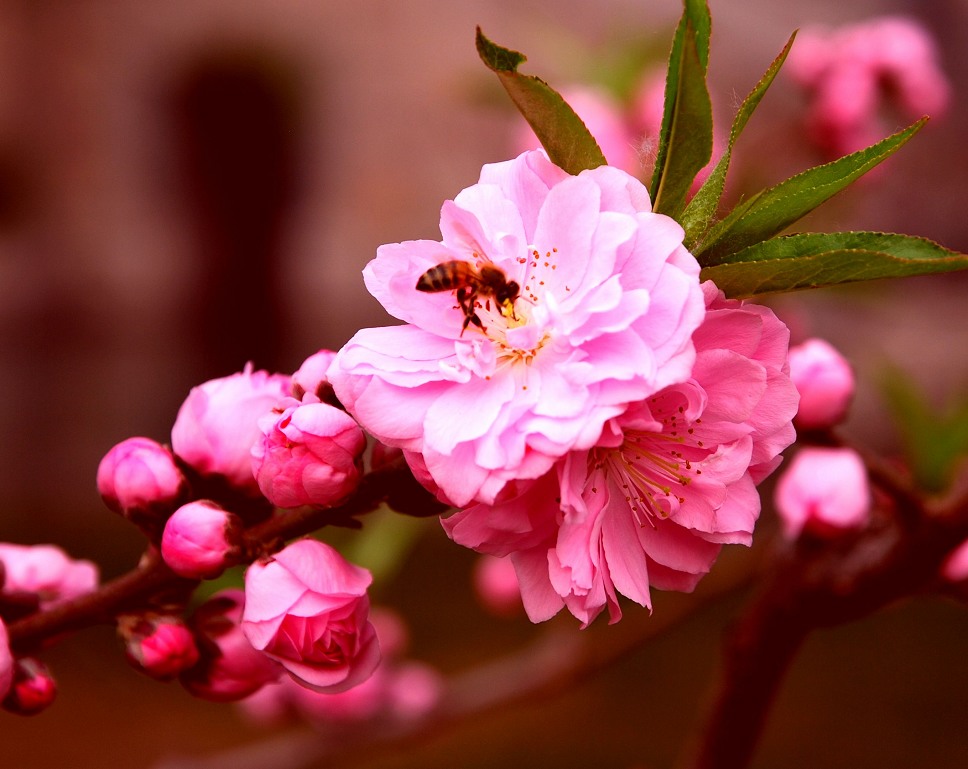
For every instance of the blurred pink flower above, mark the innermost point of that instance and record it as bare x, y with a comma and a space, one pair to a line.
671, 480
496, 586
200, 540
229, 668
609, 300
825, 381
955, 567
824, 491
160, 645
139, 479
307, 454
307, 608
854, 72
47, 571
6, 661
217, 424
33, 689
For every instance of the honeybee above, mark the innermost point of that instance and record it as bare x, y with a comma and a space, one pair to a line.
471, 284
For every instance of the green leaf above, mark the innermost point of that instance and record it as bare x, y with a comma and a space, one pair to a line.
561, 132
698, 216
934, 441
812, 260
773, 210
686, 136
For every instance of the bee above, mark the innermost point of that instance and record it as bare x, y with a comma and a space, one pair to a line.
471, 284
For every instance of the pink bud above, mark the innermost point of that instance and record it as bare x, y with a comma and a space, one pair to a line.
309, 383
955, 567
6, 661
139, 479
309, 454
496, 585
415, 690
218, 423
200, 540
823, 491
825, 381
46, 571
307, 608
33, 688
158, 644
230, 669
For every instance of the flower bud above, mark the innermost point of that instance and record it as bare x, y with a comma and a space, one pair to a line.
825, 381
230, 669
307, 608
310, 454
139, 479
496, 586
309, 383
200, 540
218, 423
33, 688
824, 492
955, 567
46, 571
160, 645
6, 661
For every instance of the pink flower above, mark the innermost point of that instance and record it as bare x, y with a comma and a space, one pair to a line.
218, 423
609, 299
139, 479
160, 645
307, 608
496, 586
47, 571
309, 454
671, 480
230, 669
200, 540
6, 661
823, 491
33, 688
954, 569
309, 383
853, 73
825, 382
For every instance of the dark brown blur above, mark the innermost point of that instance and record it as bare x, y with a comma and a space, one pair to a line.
187, 186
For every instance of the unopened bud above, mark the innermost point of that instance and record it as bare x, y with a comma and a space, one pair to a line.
309, 383
200, 540
825, 381
823, 491
139, 479
159, 645
33, 688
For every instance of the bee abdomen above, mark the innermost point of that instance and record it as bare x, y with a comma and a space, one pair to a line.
441, 277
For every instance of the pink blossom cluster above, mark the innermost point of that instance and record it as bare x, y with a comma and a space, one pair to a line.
607, 428
855, 73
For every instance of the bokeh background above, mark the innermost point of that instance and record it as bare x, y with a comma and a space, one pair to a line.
186, 186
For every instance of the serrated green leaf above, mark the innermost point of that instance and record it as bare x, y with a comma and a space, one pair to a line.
686, 135
772, 211
698, 215
934, 441
561, 132
812, 260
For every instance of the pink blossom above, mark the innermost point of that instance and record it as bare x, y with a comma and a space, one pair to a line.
496, 586
6, 661
824, 491
160, 645
309, 383
609, 300
230, 669
825, 382
200, 540
139, 479
671, 480
218, 423
955, 567
33, 688
307, 608
47, 571
308, 454
854, 73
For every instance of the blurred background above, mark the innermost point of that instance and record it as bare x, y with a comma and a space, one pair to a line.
187, 186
